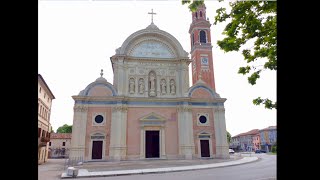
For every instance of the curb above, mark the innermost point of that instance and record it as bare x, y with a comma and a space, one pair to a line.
85, 173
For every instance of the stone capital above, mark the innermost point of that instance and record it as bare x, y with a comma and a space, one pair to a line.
219, 109
122, 108
80, 108
184, 108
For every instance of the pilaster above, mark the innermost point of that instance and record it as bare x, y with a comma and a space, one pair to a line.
118, 135
185, 126
78, 133
222, 148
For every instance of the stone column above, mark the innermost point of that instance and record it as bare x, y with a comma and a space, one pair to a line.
222, 148
163, 143
179, 80
185, 80
185, 126
142, 143
78, 137
120, 76
118, 135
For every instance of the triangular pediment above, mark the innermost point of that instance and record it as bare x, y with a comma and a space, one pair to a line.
153, 117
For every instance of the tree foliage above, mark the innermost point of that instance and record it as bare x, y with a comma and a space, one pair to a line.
65, 129
249, 21
229, 137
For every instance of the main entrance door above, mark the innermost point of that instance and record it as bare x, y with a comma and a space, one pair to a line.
205, 151
152, 144
97, 149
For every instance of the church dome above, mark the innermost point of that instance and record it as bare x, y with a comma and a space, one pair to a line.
152, 42
101, 79
100, 87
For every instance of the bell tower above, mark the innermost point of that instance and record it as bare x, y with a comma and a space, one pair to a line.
201, 48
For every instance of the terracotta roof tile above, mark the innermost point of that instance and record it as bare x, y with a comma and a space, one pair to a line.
60, 135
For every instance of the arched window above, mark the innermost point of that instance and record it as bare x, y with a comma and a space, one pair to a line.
203, 38
200, 13
40, 109
197, 15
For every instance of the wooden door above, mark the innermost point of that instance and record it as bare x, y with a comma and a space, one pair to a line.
205, 150
97, 149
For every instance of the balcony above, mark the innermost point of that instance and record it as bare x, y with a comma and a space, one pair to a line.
45, 139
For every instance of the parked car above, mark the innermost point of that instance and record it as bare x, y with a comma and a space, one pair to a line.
231, 151
260, 151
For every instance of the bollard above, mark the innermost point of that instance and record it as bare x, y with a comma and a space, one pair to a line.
71, 171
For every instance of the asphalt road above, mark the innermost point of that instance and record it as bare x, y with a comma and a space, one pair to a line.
263, 169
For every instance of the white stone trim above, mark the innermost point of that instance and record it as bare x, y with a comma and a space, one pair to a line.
103, 146
159, 126
103, 123
198, 119
162, 149
199, 144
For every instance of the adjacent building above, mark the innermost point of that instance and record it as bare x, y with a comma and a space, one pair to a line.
268, 137
235, 143
255, 139
45, 97
59, 145
150, 111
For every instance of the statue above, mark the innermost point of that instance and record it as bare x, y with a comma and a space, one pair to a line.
152, 84
163, 86
141, 86
131, 86
172, 87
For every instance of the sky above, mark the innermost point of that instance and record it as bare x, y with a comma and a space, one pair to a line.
76, 39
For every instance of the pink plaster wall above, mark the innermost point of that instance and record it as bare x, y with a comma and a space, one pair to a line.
133, 129
201, 93
256, 141
208, 129
100, 91
94, 129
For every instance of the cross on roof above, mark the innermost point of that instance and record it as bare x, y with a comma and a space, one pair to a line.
152, 13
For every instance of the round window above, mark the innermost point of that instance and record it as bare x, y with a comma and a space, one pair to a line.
203, 119
98, 119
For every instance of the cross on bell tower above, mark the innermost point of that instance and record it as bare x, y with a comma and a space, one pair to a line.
152, 13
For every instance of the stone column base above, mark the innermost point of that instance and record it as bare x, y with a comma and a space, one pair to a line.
222, 152
118, 153
187, 152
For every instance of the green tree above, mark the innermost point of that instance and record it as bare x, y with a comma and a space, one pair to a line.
65, 129
229, 137
249, 21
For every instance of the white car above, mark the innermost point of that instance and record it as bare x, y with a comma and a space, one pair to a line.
231, 151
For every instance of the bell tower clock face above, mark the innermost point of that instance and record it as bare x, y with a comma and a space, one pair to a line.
204, 61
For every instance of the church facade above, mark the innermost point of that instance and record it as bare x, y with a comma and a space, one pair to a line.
150, 111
